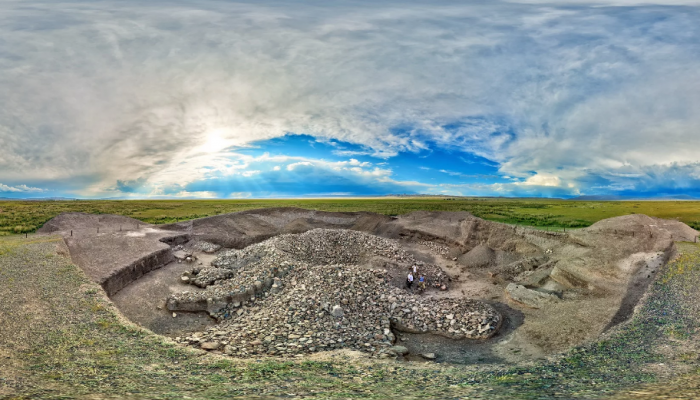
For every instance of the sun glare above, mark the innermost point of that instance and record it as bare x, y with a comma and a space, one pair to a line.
216, 140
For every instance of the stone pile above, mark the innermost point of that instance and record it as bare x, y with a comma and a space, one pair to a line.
302, 293
235, 272
326, 307
206, 247
435, 248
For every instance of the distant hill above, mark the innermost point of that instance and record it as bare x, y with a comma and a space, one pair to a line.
598, 198
37, 199
622, 198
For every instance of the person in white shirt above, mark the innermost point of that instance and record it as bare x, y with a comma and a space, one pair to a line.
409, 280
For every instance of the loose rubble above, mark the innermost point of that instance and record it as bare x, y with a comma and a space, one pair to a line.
319, 308
302, 293
206, 247
235, 275
435, 248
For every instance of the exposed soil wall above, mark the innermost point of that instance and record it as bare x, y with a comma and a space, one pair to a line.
121, 277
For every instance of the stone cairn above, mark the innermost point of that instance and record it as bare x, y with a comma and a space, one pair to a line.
303, 293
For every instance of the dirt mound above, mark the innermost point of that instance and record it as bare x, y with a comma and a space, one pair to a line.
481, 256
83, 222
639, 224
241, 229
298, 226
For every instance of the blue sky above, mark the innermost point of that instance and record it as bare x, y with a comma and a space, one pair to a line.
229, 99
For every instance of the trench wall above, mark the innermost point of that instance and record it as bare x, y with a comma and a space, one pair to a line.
123, 276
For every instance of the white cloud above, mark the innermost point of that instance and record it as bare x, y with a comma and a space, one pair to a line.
107, 91
198, 195
20, 189
248, 174
541, 180
292, 166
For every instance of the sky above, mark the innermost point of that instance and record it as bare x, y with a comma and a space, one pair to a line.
260, 99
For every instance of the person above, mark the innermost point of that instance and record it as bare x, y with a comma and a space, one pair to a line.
409, 280
415, 270
421, 282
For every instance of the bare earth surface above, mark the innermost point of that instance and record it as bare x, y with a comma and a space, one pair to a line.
554, 290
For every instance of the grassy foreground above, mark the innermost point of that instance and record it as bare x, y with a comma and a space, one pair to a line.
61, 338
27, 216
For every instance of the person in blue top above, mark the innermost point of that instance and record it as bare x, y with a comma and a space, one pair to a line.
421, 282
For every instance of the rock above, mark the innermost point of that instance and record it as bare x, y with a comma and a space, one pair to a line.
399, 350
174, 315
537, 277
337, 311
530, 298
210, 345
181, 255
429, 356
567, 278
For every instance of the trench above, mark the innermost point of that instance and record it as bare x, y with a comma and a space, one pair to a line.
143, 302
637, 287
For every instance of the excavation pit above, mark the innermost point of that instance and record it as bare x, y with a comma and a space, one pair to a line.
291, 282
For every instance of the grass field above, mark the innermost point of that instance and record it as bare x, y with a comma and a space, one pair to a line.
27, 216
60, 338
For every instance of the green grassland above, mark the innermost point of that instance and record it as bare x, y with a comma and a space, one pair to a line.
27, 216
